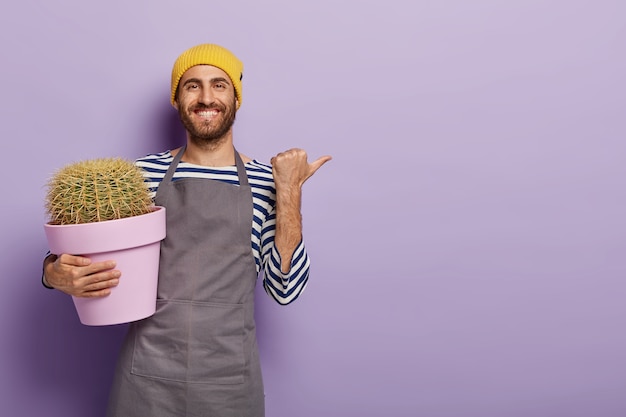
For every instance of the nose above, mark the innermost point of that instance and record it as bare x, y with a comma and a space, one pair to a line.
206, 96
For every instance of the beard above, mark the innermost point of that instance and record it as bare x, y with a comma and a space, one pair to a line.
208, 132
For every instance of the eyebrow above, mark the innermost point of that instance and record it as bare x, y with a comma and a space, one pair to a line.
219, 80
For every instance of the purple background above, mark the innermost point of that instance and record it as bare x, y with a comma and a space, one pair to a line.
468, 238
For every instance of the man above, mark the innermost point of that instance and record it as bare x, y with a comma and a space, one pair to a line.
228, 218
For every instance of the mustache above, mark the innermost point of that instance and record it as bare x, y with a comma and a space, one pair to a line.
208, 107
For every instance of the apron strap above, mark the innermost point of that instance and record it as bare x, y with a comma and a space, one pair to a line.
241, 170
172, 168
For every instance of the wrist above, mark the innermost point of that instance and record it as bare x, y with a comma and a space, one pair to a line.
47, 260
45, 282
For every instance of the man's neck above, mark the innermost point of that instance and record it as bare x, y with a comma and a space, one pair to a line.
213, 155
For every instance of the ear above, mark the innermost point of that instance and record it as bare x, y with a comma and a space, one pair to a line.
175, 103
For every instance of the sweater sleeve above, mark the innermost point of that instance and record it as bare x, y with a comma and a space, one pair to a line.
43, 274
284, 288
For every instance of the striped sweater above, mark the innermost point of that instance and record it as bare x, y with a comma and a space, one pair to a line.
283, 288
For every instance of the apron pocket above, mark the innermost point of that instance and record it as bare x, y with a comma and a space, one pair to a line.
192, 342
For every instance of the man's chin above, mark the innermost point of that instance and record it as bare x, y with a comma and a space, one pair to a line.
202, 137
205, 131
205, 136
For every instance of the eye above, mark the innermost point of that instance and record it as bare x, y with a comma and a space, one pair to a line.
191, 86
220, 86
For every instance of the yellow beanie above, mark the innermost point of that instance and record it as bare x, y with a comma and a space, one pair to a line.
208, 54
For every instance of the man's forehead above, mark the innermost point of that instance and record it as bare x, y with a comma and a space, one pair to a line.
204, 71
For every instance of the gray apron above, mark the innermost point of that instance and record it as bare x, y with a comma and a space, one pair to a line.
197, 355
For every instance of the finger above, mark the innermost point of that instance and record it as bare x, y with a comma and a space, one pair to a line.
315, 165
99, 286
73, 260
98, 293
100, 267
102, 284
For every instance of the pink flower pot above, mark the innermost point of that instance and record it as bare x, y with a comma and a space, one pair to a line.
134, 243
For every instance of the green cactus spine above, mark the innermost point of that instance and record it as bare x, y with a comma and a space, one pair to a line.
97, 190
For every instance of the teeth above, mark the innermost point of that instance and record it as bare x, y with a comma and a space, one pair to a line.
210, 113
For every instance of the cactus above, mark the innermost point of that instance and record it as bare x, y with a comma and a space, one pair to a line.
97, 190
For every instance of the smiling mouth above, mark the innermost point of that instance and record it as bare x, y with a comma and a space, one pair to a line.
207, 114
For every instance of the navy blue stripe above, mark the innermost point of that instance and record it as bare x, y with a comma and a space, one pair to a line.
262, 197
274, 262
269, 188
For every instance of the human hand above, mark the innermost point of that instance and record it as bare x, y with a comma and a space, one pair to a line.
79, 277
292, 168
